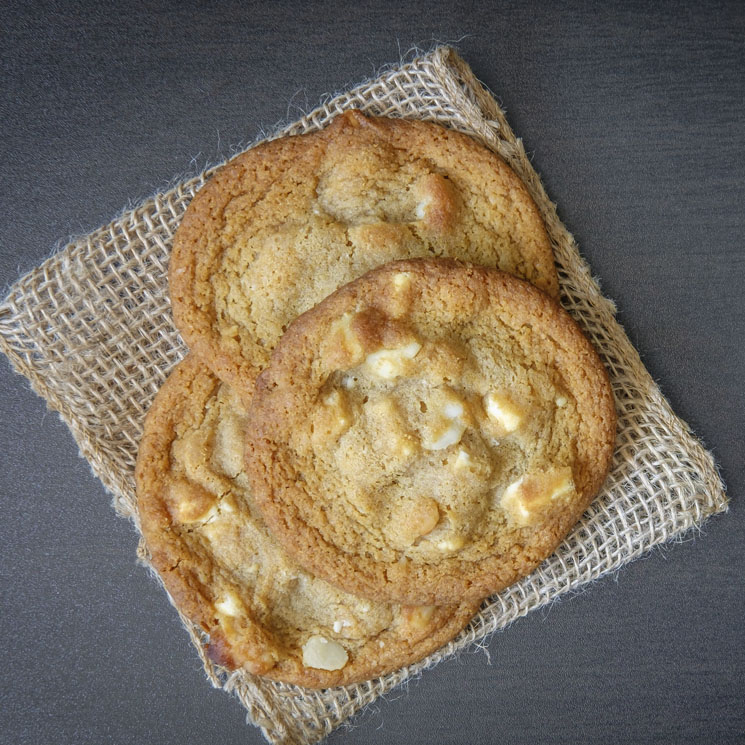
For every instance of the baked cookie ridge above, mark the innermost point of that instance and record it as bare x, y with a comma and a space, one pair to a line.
259, 609
429, 433
284, 224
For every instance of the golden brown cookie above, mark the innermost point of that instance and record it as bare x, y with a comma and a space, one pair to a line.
429, 432
261, 611
286, 223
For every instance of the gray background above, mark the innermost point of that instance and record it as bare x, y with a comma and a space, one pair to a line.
635, 117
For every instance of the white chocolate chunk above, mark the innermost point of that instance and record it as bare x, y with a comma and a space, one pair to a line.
391, 363
212, 515
467, 464
450, 428
190, 502
561, 401
403, 448
342, 330
448, 437
453, 543
437, 201
402, 281
421, 208
332, 419
453, 409
528, 499
324, 654
229, 605
418, 617
502, 411
193, 512
413, 518
337, 403
206, 517
462, 460
214, 530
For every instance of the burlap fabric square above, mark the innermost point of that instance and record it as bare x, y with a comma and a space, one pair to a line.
91, 328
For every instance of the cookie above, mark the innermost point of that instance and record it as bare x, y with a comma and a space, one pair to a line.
429, 433
261, 611
283, 225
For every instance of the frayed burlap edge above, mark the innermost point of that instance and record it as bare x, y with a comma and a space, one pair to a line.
91, 329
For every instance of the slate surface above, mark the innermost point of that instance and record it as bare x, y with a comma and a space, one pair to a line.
635, 118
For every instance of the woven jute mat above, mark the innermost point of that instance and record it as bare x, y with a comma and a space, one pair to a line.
91, 328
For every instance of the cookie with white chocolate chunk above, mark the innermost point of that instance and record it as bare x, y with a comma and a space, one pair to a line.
259, 609
284, 224
429, 433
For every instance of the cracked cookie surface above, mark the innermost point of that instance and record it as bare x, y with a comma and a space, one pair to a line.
429, 432
222, 568
283, 225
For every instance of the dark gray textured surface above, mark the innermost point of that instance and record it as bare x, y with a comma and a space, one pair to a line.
636, 120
